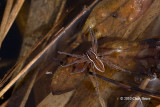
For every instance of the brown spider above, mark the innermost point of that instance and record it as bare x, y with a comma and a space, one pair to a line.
93, 58
97, 59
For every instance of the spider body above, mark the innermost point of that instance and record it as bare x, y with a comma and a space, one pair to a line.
95, 60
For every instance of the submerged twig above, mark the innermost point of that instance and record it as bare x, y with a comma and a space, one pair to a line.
127, 86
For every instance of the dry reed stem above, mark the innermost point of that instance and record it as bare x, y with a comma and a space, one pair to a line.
25, 98
5, 19
12, 17
60, 11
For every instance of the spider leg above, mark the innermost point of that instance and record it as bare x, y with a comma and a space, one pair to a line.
83, 69
94, 74
109, 52
102, 102
94, 40
74, 62
121, 69
115, 66
72, 55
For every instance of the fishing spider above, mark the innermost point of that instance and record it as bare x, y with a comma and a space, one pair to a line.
96, 60
92, 57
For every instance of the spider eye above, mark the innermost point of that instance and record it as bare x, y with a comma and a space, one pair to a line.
61, 62
91, 49
74, 67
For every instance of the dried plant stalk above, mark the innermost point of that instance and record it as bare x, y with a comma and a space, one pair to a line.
5, 19
29, 90
11, 18
60, 11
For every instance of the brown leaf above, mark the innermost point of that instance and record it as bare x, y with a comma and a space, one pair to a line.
63, 81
